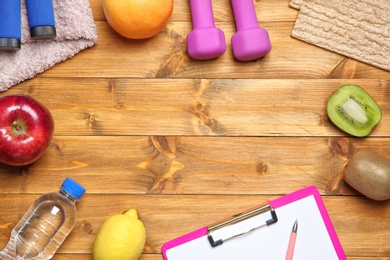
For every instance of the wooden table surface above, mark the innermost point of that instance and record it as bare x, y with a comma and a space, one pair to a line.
186, 143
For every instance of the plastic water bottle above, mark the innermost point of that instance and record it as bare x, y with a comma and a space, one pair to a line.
45, 225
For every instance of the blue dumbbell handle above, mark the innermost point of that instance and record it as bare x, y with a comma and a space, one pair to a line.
10, 25
41, 19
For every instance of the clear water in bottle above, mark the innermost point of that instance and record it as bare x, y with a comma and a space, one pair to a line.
45, 225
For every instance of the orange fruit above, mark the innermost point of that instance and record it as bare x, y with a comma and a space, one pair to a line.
137, 19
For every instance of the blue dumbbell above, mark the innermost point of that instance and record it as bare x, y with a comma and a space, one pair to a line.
41, 19
10, 25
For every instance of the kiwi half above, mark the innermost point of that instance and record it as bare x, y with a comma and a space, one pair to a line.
353, 110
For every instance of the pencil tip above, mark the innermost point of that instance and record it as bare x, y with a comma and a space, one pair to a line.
295, 227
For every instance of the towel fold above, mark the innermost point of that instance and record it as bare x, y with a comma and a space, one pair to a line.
76, 31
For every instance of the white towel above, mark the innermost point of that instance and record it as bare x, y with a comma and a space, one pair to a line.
76, 31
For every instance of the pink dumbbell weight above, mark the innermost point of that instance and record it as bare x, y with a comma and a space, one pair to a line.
250, 41
206, 41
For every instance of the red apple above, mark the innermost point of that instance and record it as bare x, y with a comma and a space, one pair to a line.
26, 129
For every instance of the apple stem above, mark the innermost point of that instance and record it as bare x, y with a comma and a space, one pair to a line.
17, 126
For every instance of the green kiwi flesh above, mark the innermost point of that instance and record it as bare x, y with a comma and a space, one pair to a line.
369, 173
353, 110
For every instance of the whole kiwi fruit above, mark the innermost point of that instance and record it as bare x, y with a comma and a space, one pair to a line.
369, 173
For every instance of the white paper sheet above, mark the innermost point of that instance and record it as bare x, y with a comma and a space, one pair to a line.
270, 242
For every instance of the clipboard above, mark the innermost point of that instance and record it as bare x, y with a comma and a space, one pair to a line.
263, 233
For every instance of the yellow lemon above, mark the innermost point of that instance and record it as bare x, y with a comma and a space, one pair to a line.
121, 237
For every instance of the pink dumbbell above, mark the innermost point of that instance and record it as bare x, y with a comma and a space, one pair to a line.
205, 41
250, 41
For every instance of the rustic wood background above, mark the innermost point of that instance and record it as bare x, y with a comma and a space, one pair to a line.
142, 125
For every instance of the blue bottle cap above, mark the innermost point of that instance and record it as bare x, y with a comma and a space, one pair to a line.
73, 188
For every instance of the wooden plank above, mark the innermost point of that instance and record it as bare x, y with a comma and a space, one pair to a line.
190, 165
360, 223
165, 56
266, 10
159, 257
62, 256
225, 107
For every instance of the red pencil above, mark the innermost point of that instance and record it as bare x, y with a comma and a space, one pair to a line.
291, 244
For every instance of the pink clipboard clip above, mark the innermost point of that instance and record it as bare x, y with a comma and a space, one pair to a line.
273, 204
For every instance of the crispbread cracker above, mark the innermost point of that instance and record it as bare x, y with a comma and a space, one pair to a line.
296, 4
359, 29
